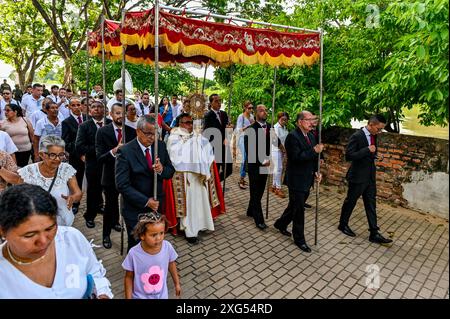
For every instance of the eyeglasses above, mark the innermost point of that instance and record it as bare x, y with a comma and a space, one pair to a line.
148, 134
187, 122
151, 217
250, 108
53, 156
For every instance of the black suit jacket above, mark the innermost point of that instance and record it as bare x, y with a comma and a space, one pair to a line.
69, 135
105, 141
362, 168
302, 161
85, 142
211, 121
134, 180
252, 143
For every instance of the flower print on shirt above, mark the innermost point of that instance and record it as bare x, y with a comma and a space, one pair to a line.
153, 280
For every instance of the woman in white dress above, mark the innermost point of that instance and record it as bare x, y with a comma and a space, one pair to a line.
54, 176
41, 260
278, 153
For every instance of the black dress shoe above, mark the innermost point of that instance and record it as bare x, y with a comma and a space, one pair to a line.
192, 240
307, 205
283, 231
378, 239
101, 210
74, 210
304, 247
90, 224
261, 226
346, 230
117, 227
107, 242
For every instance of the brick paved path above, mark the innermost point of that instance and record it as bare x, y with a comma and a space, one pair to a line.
238, 260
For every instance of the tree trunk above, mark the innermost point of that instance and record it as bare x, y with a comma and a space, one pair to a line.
22, 74
68, 77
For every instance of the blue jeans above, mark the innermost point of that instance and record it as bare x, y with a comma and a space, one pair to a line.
244, 156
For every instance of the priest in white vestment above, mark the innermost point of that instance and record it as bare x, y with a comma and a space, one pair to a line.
192, 157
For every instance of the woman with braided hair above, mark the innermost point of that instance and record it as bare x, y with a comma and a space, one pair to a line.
40, 259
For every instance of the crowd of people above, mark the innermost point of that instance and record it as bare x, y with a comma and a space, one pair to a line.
54, 147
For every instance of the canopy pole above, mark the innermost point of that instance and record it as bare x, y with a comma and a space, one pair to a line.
155, 177
320, 136
271, 129
122, 224
204, 78
103, 65
209, 14
229, 116
87, 61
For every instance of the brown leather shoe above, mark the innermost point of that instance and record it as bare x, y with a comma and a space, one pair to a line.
242, 184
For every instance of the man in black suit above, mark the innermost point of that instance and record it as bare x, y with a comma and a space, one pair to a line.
257, 142
85, 147
108, 140
135, 167
302, 155
69, 135
217, 122
362, 151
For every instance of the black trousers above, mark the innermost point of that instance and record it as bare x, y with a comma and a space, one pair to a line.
257, 187
369, 193
79, 166
111, 213
94, 198
295, 213
221, 169
22, 158
130, 224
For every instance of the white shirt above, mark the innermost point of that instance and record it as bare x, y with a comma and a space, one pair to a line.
6, 143
130, 123
98, 126
367, 134
143, 148
44, 127
31, 175
145, 107
176, 109
282, 133
75, 259
55, 98
31, 105
76, 117
64, 110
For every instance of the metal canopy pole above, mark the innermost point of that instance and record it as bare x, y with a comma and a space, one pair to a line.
209, 14
204, 78
229, 115
155, 177
87, 60
123, 132
273, 116
103, 67
320, 136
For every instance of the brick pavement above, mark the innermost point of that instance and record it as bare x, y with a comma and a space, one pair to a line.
238, 260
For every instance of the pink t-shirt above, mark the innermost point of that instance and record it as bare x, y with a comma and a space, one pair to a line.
150, 271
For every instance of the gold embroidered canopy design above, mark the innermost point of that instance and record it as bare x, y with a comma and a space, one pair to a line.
185, 39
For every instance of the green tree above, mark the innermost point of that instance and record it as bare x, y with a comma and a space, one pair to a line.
172, 80
24, 39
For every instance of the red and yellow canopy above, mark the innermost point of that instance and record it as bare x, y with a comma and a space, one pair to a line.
190, 40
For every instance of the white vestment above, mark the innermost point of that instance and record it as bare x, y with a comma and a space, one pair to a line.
192, 156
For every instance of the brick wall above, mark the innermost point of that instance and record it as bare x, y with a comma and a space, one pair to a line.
399, 156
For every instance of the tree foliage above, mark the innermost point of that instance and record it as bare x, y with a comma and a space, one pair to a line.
24, 39
172, 80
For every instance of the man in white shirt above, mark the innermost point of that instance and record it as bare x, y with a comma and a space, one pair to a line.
63, 103
50, 125
7, 99
176, 106
33, 103
54, 94
145, 106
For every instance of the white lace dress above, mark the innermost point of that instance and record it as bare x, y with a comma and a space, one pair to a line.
31, 175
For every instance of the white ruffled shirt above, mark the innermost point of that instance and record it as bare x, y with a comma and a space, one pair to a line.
75, 259
31, 175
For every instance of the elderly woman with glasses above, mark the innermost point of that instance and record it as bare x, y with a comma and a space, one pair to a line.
53, 175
